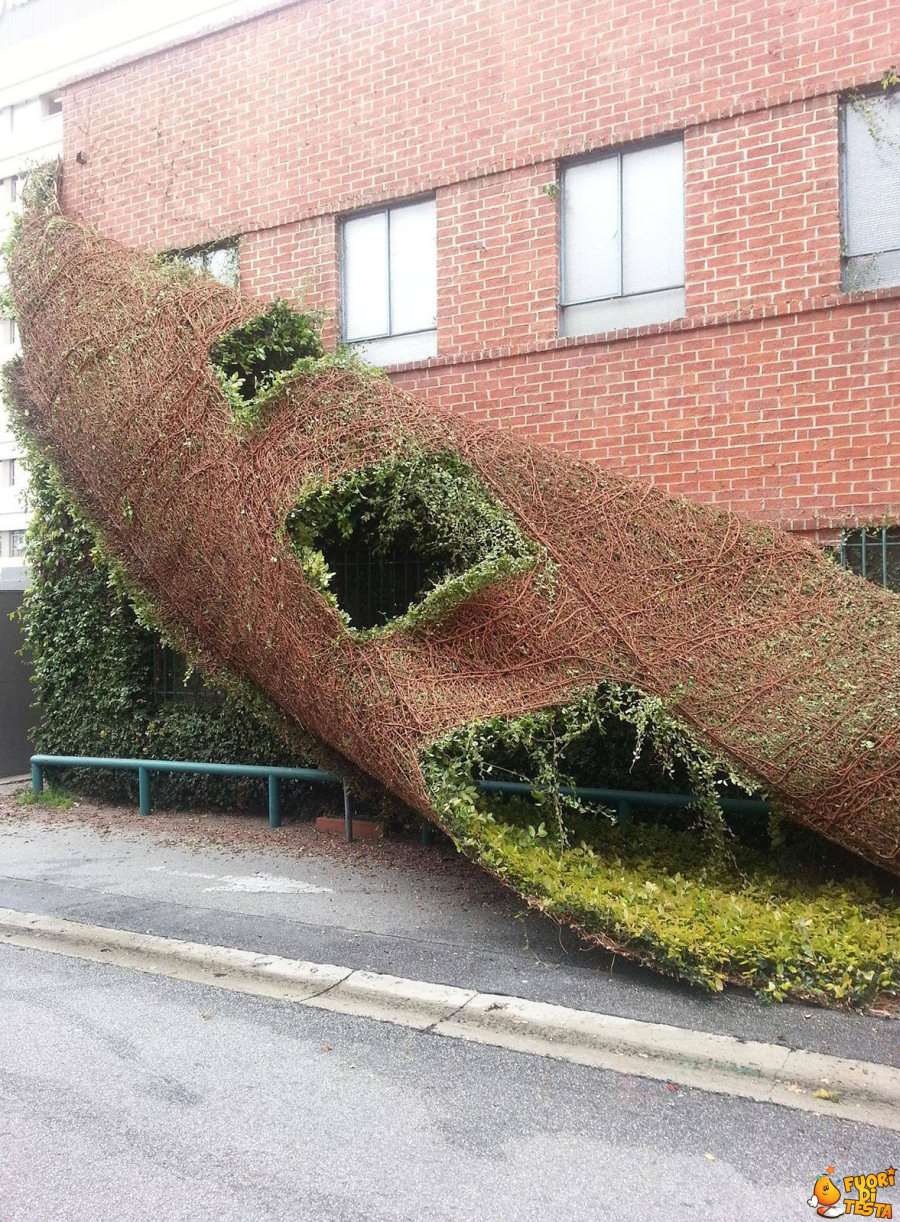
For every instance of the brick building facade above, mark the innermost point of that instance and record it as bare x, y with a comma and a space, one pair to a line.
775, 393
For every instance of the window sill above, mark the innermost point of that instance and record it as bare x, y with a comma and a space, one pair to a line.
621, 313
697, 320
394, 350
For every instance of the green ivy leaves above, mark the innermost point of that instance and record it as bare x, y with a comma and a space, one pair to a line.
696, 902
428, 502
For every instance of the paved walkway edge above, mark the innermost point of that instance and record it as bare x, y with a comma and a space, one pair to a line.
862, 1091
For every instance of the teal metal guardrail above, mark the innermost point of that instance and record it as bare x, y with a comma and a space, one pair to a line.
144, 769
624, 800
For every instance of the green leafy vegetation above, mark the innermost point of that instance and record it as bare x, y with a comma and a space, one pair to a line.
53, 796
252, 356
420, 524
93, 668
255, 361
703, 898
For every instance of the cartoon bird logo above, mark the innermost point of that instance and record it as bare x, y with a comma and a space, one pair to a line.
825, 1196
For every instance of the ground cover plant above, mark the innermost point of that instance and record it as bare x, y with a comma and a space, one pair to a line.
707, 898
221, 485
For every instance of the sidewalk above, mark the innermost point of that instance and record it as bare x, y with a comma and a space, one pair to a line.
391, 907
11, 785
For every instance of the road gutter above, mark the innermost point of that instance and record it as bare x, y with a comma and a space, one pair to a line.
862, 1091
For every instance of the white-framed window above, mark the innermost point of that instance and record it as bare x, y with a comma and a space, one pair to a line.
13, 473
9, 189
622, 239
9, 331
23, 115
16, 543
870, 197
389, 282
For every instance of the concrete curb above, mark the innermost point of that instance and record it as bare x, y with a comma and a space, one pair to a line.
862, 1091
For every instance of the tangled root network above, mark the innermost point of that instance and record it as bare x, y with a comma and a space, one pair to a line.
558, 577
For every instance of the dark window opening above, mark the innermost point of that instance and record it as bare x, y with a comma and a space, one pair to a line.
378, 541
873, 552
373, 589
172, 684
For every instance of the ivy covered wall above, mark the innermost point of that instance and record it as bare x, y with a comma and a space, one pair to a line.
93, 673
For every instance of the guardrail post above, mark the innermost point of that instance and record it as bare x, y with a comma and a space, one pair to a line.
624, 813
348, 817
37, 778
425, 836
144, 791
274, 801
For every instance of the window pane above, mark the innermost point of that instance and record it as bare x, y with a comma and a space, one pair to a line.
413, 268
871, 271
222, 264
591, 230
653, 218
399, 349
365, 303
871, 173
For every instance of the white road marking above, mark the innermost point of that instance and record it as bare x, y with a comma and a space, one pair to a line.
254, 884
863, 1091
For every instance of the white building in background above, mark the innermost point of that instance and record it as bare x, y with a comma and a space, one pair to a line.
30, 130
43, 44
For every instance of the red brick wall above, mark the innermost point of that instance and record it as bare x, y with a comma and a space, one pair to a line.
774, 396
762, 216
497, 262
793, 420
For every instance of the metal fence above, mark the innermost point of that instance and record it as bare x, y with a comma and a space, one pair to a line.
375, 589
873, 552
624, 800
175, 683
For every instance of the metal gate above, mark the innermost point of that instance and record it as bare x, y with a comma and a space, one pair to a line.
16, 713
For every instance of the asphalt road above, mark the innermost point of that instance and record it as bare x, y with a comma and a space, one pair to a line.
125, 1096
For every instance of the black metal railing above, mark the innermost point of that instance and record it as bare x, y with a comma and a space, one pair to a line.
873, 552
374, 589
175, 683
